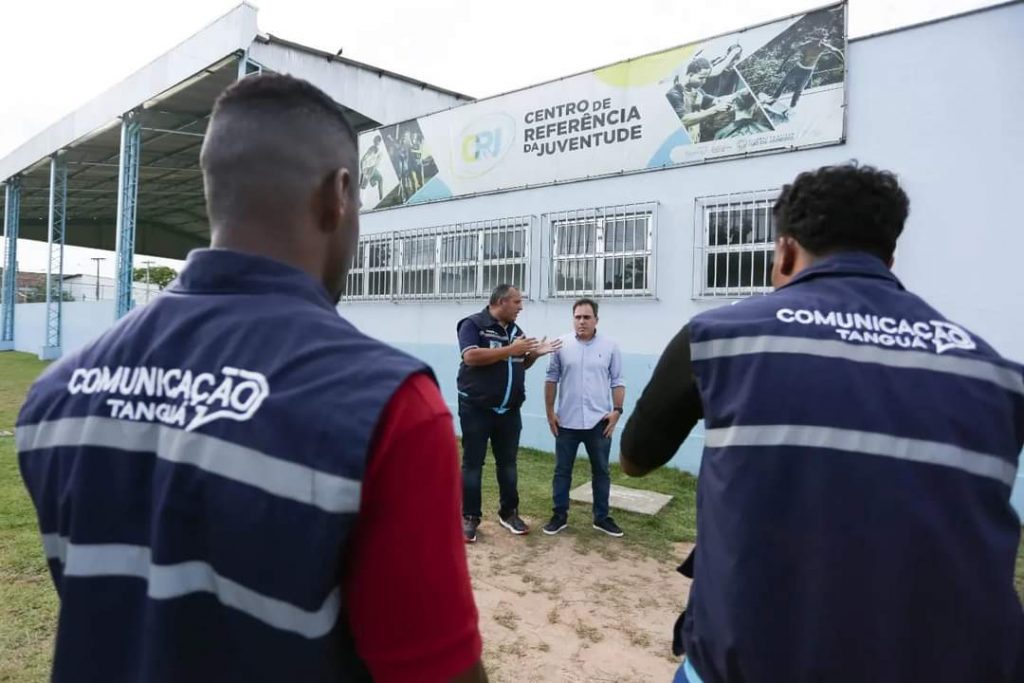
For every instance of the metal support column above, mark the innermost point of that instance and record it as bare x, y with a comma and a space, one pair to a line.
127, 199
9, 292
55, 262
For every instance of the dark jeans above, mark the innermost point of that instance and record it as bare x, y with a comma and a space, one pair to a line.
598, 446
479, 425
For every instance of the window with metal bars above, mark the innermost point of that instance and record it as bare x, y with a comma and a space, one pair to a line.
462, 261
734, 244
416, 265
504, 256
372, 273
603, 252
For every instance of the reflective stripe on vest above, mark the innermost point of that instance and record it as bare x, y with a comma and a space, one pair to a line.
869, 443
831, 348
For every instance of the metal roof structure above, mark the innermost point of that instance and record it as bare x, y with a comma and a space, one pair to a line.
122, 171
172, 99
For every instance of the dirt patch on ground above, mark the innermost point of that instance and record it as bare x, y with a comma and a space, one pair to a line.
555, 608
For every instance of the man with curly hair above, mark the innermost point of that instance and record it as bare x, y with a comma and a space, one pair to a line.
854, 517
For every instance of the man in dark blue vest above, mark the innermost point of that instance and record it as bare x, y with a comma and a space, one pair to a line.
496, 354
220, 478
854, 518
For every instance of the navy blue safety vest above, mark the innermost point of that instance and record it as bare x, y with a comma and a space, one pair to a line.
197, 472
501, 386
854, 518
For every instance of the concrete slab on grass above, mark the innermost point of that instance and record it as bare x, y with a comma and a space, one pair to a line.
623, 498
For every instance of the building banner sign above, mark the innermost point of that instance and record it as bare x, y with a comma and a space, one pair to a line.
775, 87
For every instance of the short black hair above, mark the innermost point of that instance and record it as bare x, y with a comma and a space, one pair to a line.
270, 136
282, 91
500, 292
585, 302
698, 64
847, 207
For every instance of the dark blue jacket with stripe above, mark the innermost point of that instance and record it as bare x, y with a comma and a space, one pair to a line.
854, 518
500, 386
196, 473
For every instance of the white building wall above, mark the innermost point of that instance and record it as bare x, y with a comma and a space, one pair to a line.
82, 321
963, 241
939, 104
961, 166
29, 327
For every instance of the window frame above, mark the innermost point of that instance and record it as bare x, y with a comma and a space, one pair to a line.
401, 264
707, 245
596, 252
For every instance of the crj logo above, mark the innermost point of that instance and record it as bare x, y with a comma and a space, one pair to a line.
477, 146
483, 144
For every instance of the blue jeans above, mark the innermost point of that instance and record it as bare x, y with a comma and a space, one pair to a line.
598, 446
478, 426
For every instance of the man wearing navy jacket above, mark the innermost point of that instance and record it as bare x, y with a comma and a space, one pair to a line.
854, 520
220, 478
496, 354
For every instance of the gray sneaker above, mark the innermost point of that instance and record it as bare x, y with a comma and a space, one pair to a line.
469, 525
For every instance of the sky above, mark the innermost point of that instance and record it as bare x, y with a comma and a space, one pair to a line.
57, 55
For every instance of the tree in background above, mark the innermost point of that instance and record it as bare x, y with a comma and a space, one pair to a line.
159, 276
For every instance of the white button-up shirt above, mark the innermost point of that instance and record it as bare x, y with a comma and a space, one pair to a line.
586, 372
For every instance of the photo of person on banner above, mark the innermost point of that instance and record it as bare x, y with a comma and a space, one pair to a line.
689, 100
811, 51
369, 170
748, 119
805, 60
705, 98
771, 87
413, 165
723, 79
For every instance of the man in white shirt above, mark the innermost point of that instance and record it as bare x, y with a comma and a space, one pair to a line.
588, 369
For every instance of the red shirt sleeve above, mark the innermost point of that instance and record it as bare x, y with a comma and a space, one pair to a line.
407, 589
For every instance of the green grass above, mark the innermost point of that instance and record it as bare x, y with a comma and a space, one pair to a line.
28, 603
17, 371
654, 535
1018, 572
